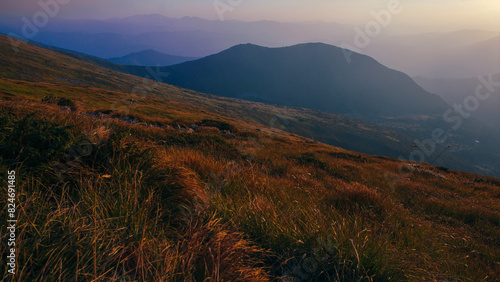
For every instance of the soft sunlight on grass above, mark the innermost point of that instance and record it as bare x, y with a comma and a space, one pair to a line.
160, 204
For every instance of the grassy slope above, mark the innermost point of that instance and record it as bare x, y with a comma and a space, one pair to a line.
149, 203
387, 139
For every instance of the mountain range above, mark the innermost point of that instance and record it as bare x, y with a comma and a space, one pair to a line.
452, 54
383, 129
187, 36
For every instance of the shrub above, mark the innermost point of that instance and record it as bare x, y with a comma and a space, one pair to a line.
311, 159
351, 157
221, 125
65, 102
50, 100
61, 101
34, 142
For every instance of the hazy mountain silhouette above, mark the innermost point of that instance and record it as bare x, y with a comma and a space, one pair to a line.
187, 36
459, 54
313, 75
150, 58
456, 91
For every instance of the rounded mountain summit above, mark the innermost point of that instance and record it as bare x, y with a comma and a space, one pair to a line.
313, 75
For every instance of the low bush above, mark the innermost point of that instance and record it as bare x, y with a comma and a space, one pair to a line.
221, 125
34, 142
61, 101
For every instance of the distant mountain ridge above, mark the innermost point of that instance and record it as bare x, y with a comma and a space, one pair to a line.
312, 75
187, 36
150, 57
457, 54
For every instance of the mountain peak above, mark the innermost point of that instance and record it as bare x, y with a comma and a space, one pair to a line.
247, 45
310, 75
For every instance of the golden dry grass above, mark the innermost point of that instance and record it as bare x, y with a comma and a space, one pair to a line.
153, 204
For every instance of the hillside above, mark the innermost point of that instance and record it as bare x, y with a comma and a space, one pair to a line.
352, 134
150, 58
120, 187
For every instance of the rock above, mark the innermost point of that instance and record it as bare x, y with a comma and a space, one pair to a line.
129, 119
65, 109
96, 115
208, 129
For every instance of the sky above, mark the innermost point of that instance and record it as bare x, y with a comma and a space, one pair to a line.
440, 14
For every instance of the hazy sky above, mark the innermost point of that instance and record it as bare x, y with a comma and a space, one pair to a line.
447, 14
